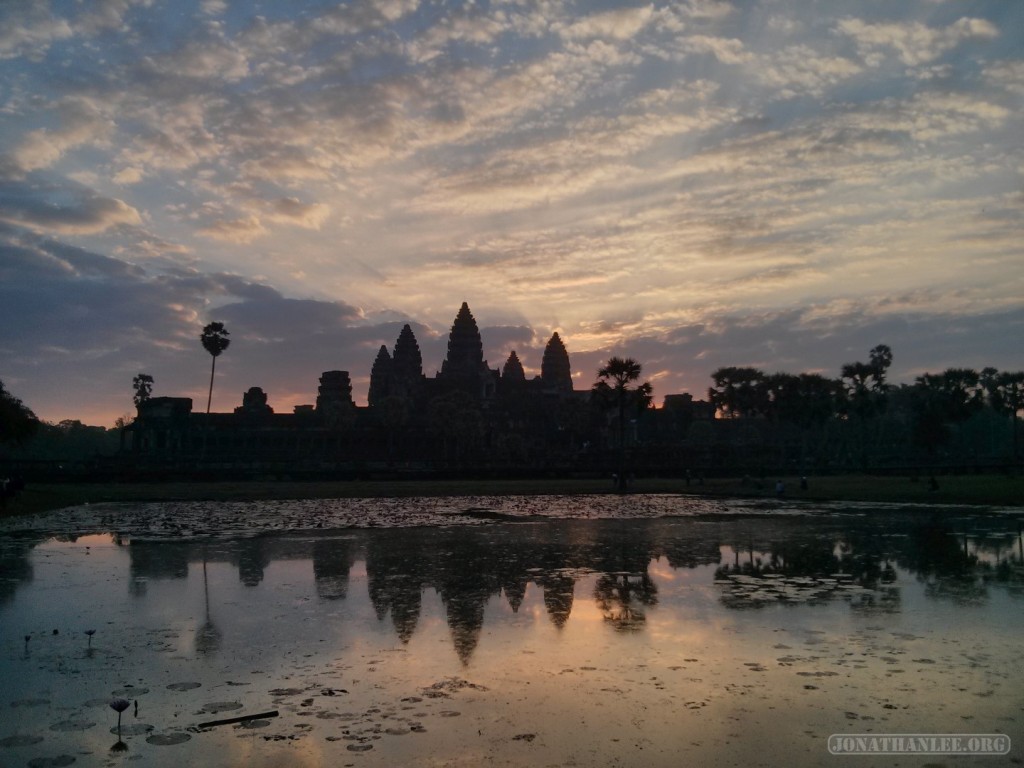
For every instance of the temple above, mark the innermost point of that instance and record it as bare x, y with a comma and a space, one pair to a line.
467, 417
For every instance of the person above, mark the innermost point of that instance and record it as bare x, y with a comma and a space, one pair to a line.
780, 488
803, 483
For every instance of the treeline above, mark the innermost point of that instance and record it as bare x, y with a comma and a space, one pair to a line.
763, 422
860, 419
24, 437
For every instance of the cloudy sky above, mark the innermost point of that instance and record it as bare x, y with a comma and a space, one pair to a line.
694, 184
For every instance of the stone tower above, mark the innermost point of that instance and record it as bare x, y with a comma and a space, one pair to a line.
381, 376
334, 395
554, 368
406, 365
407, 357
513, 369
465, 348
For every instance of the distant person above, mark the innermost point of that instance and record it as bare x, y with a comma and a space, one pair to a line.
933, 484
803, 483
780, 488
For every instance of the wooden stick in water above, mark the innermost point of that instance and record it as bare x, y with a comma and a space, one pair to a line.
239, 719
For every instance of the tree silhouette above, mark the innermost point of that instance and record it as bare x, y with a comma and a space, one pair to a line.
143, 386
739, 392
614, 380
1006, 395
942, 399
805, 401
866, 391
215, 340
17, 422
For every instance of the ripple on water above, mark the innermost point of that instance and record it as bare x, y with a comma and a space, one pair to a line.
72, 725
135, 729
183, 686
220, 706
20, 740
51, 762
30, 703
129, 691
168, 739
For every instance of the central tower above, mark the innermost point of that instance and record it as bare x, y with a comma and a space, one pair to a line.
465, 348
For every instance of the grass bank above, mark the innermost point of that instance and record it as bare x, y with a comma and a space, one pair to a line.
998, 490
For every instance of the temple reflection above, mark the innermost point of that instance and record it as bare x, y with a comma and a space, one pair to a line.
752, 563
333, 558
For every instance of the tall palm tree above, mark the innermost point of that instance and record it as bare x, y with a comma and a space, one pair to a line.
143, 386
615, 376
215, 340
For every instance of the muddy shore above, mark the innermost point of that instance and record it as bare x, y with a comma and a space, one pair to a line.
998, 490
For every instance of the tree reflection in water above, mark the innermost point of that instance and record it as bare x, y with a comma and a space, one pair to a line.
622, 598
756, 562
208, 637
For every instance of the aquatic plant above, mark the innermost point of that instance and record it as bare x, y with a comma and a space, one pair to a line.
119, 706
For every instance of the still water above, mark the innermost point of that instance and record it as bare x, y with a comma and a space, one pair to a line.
571, 631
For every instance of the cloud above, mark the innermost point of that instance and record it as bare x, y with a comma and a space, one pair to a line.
29, 27
101, 15
68, 210
618, 24
208, 58
1008, 75
726, 50
277, 319
100, 320
214, 7
799, 70
290, 210
81, 122
242, 230
914, 42
617, 172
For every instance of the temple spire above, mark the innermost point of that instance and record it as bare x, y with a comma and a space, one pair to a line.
408, 359
465, 348
554, 369
513, 369
380, 377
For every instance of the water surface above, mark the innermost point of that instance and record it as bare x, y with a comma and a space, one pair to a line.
651, 630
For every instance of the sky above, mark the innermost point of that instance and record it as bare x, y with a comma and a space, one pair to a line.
693, 184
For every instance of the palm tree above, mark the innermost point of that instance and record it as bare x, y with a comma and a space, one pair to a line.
215, 340
615, 377
143, 386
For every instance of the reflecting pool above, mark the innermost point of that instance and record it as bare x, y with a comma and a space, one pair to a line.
562, 631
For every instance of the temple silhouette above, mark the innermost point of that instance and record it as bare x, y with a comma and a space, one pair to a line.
468, 417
